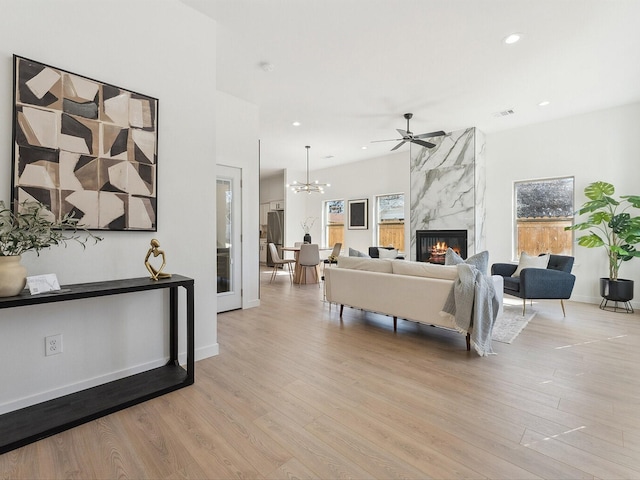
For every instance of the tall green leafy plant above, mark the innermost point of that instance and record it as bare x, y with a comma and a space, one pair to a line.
31, 229
610, 224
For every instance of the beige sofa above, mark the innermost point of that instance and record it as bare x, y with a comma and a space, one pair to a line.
413, 291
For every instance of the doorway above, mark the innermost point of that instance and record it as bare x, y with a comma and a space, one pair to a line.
229, 238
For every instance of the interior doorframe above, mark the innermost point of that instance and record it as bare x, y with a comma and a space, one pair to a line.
232, 300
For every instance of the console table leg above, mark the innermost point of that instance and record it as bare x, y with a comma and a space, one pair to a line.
173, 326
191, 373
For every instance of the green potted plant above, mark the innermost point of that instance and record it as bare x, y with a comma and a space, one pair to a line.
31, 228
612, 226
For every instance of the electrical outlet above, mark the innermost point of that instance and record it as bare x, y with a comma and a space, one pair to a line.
53, 345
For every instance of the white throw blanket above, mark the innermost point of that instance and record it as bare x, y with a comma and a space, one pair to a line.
473, 304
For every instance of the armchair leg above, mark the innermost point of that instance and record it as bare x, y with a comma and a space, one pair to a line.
524, 306
468, 342
563, 312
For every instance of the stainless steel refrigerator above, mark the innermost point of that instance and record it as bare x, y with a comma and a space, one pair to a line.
275, 232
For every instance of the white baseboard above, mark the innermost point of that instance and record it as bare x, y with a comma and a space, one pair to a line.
205, 352
201, 353
597, 300
252, 303
78, 386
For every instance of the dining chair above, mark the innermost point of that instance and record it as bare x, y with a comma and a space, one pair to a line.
296, 245
334, 255
277, 262
309, 257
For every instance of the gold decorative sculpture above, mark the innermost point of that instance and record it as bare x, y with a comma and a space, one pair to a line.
155, 251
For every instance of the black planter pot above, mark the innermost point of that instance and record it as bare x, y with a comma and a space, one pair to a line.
620, 290
307, 238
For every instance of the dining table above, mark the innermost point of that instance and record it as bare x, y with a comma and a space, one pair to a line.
298, 276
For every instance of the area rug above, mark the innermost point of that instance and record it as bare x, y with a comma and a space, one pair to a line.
509, 325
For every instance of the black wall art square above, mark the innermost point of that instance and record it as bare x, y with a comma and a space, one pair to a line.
359, 214
85, 147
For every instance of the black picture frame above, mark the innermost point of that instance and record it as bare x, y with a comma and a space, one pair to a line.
359, 214
84, 147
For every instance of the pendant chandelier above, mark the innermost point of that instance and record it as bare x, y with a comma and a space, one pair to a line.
308, 187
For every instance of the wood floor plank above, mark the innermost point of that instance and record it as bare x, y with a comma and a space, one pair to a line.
298, 392
323, 459
595, 465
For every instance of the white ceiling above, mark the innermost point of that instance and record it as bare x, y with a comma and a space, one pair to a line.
348, 70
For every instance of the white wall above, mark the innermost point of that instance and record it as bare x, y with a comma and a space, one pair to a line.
166, 50
365, 179
237, 146
272, 188
601, 145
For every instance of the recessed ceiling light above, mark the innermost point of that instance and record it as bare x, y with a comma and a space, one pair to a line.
364, 147
513, 38
544, 103
296, 124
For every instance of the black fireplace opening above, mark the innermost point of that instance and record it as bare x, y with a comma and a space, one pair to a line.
431, 245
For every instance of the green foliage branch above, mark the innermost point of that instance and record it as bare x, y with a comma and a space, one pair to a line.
610, 224
30, 229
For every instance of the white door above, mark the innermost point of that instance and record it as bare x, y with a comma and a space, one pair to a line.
228, 238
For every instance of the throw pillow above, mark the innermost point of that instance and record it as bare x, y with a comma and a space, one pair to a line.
530, 261
385, 253
479, 260
356, 253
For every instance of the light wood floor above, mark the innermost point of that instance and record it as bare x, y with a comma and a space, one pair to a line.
297, 393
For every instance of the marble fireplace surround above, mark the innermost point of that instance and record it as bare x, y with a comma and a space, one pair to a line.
448, 187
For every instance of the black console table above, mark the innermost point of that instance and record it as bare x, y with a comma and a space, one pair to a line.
29, 424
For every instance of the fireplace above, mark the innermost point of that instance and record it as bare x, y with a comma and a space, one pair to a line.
431, 245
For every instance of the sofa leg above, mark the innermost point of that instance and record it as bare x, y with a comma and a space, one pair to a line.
524, 306
395, 324
468, 342
341, 309
562, 304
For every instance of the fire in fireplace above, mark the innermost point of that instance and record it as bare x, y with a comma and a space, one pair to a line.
432, 245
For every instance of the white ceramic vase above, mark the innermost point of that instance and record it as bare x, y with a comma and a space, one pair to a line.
13, 276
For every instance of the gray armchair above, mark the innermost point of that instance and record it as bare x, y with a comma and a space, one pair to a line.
554, 282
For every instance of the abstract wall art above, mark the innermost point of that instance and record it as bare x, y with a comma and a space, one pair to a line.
84, 147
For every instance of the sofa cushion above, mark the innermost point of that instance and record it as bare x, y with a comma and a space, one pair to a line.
356, 253
368, 264
384, 253
512, 283
530, 261
479, 260
423, 269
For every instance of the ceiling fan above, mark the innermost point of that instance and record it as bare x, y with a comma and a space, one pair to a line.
408, 136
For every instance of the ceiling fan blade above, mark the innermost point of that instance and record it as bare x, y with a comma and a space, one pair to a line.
424, 144
398, 145
390, 140
404, 133
439, 133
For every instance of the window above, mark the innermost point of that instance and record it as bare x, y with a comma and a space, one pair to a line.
334, 221
390, 218
542, 209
